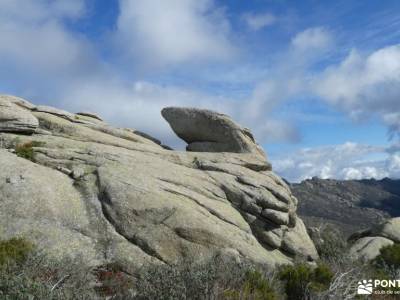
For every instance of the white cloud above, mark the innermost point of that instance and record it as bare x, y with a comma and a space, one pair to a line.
173, 32
362, 172
315, 38
258, 111
289, 77
346, 161
35, 43
393, 165
272, 130
365, 86
258, 21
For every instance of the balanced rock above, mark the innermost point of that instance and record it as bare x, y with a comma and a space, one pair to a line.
209, 131
113, 195
14, 118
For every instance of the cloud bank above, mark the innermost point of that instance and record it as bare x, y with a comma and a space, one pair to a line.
346, 161
365, 86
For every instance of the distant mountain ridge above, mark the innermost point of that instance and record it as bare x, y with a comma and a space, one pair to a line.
351, 205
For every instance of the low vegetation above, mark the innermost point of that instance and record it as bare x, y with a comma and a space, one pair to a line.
25, 150
25, 273
389, 257
14, 250
302, 279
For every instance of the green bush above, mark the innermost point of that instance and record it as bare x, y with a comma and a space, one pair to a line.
25, 150
389, 256
302, 280
14, 250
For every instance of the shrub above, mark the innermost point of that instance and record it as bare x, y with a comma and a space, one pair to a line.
321, 277
389, 256
14, 250
302, 280
255, 286
25, 150
213, 279
40, 277
176, 282
113, 281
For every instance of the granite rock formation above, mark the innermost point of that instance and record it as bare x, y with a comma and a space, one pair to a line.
115, 195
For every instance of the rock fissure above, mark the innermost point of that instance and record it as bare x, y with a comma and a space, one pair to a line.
104, 200
211, 211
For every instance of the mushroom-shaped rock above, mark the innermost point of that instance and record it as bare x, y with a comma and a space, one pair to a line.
209, 131
14, 118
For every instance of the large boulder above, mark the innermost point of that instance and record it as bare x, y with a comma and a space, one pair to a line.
389, 229
112, 195
209, 131
367, 244
14, 118
367, 248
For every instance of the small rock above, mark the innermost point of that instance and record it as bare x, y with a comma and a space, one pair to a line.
77, 172
64, 170
12, 180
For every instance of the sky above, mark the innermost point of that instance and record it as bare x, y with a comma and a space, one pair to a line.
317, 81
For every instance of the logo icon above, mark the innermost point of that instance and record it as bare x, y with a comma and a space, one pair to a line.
365, 287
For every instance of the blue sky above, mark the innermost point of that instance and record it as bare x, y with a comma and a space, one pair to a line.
318, 82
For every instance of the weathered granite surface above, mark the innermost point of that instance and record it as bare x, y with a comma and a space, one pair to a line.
116, 195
